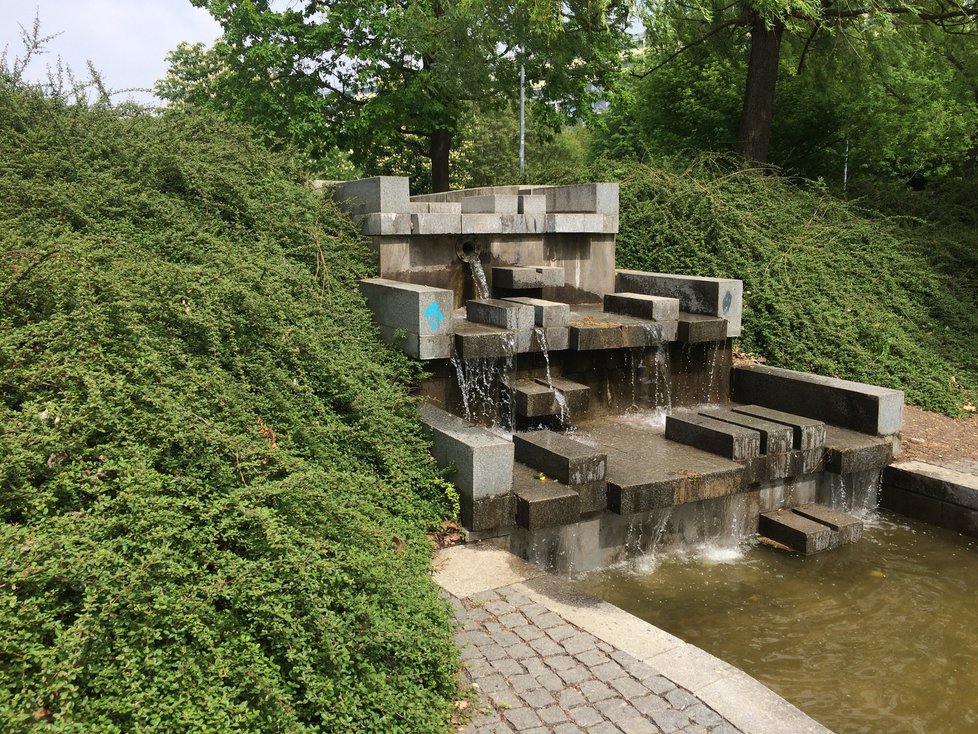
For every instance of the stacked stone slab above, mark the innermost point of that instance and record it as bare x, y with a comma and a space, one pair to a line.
564, 400
716, 297
571, 479
482, 464
809, 529
416, 318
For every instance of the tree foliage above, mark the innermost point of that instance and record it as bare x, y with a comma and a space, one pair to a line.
378, 77
215, 492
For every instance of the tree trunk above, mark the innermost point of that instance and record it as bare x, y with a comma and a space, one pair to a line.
441, 144
762, 77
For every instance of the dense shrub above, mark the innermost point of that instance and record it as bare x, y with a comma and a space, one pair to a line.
213, 490
828, 287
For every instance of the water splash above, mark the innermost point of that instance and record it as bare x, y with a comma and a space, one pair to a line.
479, 277
663, 378
563, 409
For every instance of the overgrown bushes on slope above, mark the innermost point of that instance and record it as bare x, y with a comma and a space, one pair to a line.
828, 288
213, 490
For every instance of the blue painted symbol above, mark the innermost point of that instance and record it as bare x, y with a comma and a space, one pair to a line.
433, 316
727, 301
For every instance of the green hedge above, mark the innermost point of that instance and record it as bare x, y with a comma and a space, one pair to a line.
828, 287
213, 487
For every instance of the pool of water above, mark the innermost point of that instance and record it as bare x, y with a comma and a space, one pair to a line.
878, 636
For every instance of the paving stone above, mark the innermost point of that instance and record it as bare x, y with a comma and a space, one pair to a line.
604, 727
492, 652
522, 718
629, 687
484, 717
605, 647
649, 704
585, 715
520, 651
658, 684
477, 615
477, 638
497, 728
479, 667
512, 620
561, 662
546, 647
524, 682
702, 714
533, 610
669, 720
506, 639
578, 643
616, 709
483, 596
546, 620
551, 681
608, 671
508, 667
696, 729
592, 658
552, 715
680, 699
637, 725
561, 632
570, 698
529, 632
726, 728
568, 728
470, 653
538, 698
505, 699
575, 676
595, 690
624, 659
535, 666
538, 730
491, 683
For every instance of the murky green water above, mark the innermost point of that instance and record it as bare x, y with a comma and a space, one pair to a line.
880, 636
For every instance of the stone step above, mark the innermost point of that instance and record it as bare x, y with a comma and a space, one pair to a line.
808, 432
547, 314
533, 399
776, 438
810, 528
577, 396
642, 306
708, 296
541, 501
590, 332
560, 457
851, 451
709, 434
695, 328
527, 277
502, 313
479, 341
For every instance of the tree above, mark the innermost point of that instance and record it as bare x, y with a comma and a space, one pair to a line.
770, 23
382, 75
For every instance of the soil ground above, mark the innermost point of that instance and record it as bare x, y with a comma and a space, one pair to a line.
938, 439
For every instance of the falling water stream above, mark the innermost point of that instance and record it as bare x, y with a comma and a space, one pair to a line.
479, 277
563, 410
877, 636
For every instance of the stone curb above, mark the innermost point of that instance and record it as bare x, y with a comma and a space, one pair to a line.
480, 574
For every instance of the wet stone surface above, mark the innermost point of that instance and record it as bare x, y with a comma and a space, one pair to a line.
531, 671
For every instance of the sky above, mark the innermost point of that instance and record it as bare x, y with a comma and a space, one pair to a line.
127, 40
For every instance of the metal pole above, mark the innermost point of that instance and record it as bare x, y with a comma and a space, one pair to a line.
522, 122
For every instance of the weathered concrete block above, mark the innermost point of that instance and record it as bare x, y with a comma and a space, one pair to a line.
490, 204
594, 496
959, 519
938, 482
577, 397
377, 194
502, 313
545, 505
591, 197
478, 341
855, 405
483, 461
436, 207
586, 337
436, 223
797, 532
487, 513
848, 528
575, 223
710, 296
418, 309
650, 334
910, 504
698, 328
533, 399
725, 439
545, 313
643, 306
525, 277
558, 456
424, 347
530, 204
808, 433
384, 223
553, 339
776, 438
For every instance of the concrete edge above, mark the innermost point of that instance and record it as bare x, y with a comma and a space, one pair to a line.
744, 701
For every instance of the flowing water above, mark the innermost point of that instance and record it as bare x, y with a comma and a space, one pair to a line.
479, 276
878, 636
563, 410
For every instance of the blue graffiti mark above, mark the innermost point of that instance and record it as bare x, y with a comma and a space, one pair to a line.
727, 301
433, 315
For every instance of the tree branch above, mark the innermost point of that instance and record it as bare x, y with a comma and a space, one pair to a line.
804, 51
740, 20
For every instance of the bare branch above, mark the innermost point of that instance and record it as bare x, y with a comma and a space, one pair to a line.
740, 20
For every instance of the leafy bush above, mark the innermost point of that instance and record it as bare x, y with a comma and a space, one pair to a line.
828, 288
213, 487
